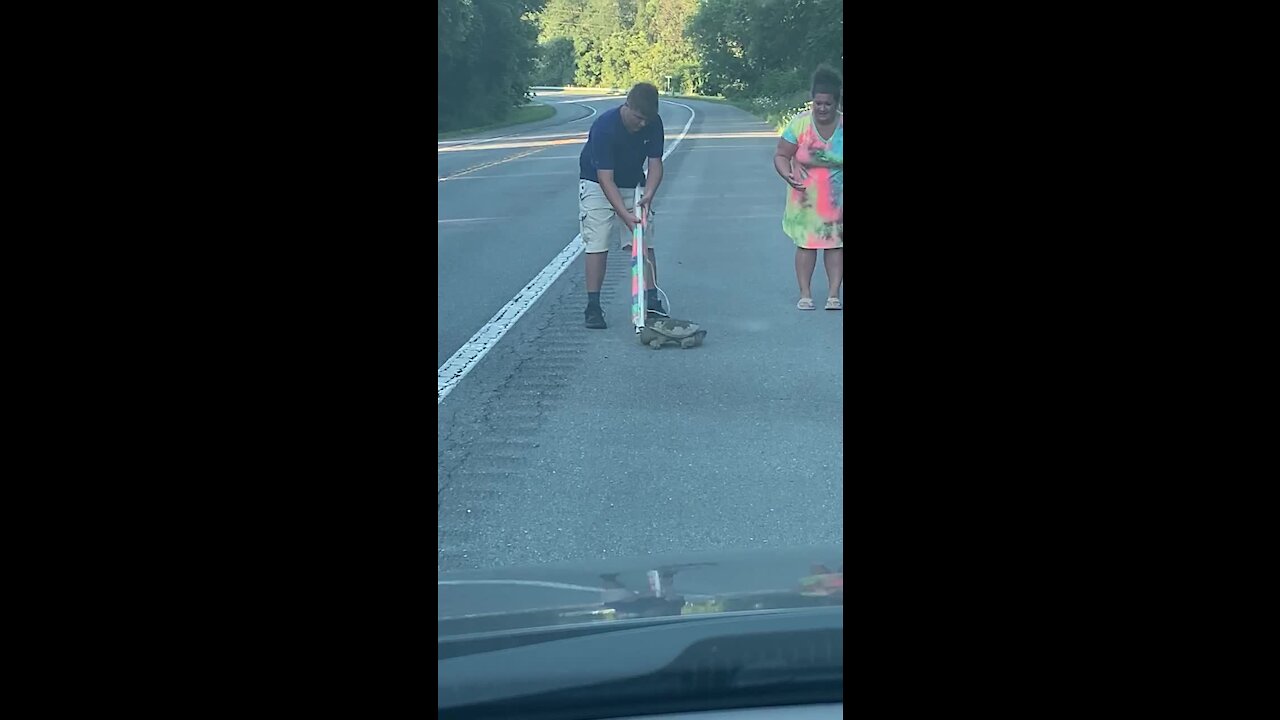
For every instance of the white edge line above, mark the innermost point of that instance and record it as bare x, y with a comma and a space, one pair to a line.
683, 132
534, 583
473, 351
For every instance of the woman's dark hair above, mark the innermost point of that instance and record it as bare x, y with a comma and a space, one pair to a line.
827, 80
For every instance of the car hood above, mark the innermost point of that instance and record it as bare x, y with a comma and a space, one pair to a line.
509, 599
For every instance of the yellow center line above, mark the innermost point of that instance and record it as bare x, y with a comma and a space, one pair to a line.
482, 166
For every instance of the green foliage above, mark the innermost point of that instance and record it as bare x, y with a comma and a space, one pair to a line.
556, 64
618, 43
777, 111
759, 53
486, 51
754, 48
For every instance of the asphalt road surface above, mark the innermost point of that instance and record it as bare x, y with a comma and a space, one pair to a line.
563, 444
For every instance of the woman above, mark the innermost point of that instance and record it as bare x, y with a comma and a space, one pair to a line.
810, 157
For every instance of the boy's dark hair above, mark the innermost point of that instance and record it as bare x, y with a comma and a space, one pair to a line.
827, 79
643, 98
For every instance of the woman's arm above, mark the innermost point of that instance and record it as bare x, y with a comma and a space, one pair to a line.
782, 163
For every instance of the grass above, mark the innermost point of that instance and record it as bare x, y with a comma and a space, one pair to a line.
705, 98
592, 91
518, 116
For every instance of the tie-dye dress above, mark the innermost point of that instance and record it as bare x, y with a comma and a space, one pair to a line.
814, 217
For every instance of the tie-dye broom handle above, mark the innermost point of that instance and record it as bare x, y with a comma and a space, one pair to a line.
637, 269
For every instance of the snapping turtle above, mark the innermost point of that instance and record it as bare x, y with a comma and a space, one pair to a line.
659, 331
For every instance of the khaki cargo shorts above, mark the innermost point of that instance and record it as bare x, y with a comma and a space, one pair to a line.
598, 222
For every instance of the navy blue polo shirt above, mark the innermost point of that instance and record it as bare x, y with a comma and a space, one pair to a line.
610, 146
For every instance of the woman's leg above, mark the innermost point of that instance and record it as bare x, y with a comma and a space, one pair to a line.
806, 261
833, 260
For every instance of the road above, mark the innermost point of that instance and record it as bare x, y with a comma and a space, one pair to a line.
564, 444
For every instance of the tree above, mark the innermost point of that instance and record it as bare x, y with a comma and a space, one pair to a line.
557, 63
680, 57
753, 47
748, 48
590, 24
486, 51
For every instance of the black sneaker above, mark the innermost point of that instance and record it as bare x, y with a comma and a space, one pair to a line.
595, 317
656, 307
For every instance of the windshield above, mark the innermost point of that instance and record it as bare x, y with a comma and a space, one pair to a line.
640, 324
